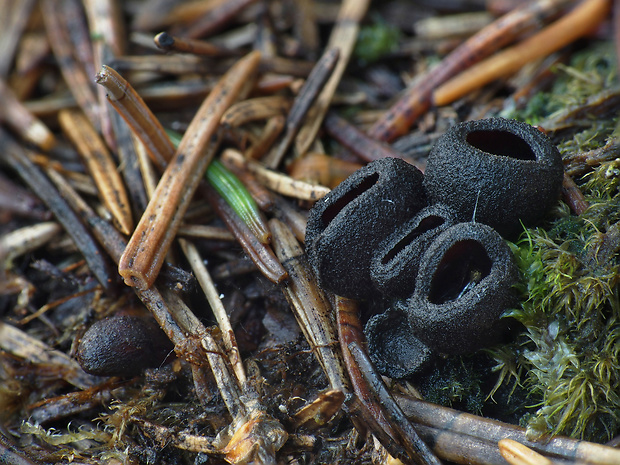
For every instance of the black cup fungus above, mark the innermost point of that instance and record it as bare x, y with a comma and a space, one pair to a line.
465, 282
495, 171
394, 266
346, 225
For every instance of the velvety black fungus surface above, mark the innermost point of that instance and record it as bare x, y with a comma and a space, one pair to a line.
502, 170
464, 284
394, 266
122, 346
392, 346
345, 227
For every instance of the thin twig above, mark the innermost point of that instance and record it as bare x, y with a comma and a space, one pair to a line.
417, 99
343, 37
306, 97
153, 236
213, 296
276, 181
583, 19
18, 158
101, 166
310, 305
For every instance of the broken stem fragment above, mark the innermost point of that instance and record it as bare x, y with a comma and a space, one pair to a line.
145, 252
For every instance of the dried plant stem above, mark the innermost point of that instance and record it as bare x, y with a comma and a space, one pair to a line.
275, 181
26, 239
77, 80
261, 254
583, 19
18, 158
350, 331
272, 130
19, 343
213, 297
259, 108
23, 122
153, 236
307, 95
417, 99
213, 233
171, 43
101, 166
365, 147
343, 37
483, 429
12, 23
310, 305
417, 449
140, 119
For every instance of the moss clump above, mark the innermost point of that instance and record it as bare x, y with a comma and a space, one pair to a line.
568, 355
376, 40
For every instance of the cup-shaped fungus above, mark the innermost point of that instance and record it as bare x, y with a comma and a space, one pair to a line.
393, 347
394, 266
465, 282
495, 171
345, 227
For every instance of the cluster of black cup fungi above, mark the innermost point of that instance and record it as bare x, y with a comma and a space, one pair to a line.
432, 245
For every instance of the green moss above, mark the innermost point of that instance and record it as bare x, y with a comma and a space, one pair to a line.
376, 40
568, 354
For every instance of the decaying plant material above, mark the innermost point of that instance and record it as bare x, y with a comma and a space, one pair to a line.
107, 219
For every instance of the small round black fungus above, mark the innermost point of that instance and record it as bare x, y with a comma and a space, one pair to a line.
394, 266
122, 346
392, 346
345, 226
464, 284
495, 171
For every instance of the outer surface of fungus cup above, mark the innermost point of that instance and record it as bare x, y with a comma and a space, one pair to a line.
464, 284
502, 171
394, 266
122, 346
393, 347
346, 225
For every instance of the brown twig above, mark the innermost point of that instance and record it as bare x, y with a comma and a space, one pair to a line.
580, 21
171, 43
101, 166
260, 254
472, 427
572, 196
216, 18
12, 23
418, 450
75, 76
417, 99
22, 121
153, 236
306, 97
140, 119
17, 157
310, 305
259, 108
343, 37
272, 130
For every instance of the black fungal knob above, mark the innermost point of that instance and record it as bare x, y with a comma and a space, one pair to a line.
464, 284
123, 346
394, 266
393, 347
495, 171
345, 226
